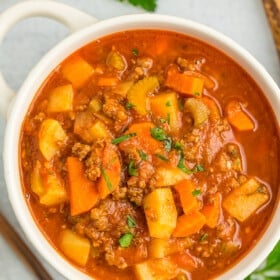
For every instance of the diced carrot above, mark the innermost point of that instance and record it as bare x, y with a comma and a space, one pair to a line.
188, 201
213, 108
185, 84
238, 117
83, 192
111, 172
107, 81
184, 261
212, 211
188, 224
143, 139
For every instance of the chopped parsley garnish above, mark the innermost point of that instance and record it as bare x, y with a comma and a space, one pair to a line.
123, 138
131, 222
198, 168
196, 192
135, 52
129, 106
142, 155
168, 103
182, 166
203, 237
177, 146
168, 118
159, 134
162, 157
107, 179
132, 171
180, 104
125, 240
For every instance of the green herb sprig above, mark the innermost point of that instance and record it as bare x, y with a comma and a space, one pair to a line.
148, 5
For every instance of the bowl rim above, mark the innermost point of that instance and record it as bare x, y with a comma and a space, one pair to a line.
56, 55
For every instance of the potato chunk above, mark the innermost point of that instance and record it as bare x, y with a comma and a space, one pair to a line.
168, 176
61, 99
243, 201
75, 247
47, 185
160, 212
77, 71
165, 106
99, 130
51, 137
156, 269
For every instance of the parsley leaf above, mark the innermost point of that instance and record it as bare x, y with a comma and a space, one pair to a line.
135, 52
123, 138
148, 5
132, 171
198, 168
125, 240
162, 157
196, 192
129, 106
159, 134
131, 222
143, 155
107, 179
182, 166
203, 237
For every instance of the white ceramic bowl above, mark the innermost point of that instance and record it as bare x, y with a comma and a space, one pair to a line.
88, 29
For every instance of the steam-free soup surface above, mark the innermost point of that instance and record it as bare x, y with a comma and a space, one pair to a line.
150, 155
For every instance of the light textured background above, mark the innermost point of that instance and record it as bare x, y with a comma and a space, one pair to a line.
28, 41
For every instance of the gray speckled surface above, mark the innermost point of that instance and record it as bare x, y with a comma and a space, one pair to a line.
243, 21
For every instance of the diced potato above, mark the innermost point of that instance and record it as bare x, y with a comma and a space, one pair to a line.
138, 94
122, 88
55, 192
75, 247
243, 201
47, 185
36, 179
116, 60
95, 105
99, 130
198, 109
165, 106
51, 137
160, 212
168, 176
61, 99
77, 71
156, 269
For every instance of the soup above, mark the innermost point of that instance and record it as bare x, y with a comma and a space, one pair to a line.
150, 155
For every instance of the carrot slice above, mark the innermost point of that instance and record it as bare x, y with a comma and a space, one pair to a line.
184, 261
111, 172
107, 81
185, 84
188, 201
188, 224
212, 211
239, 118
83, 192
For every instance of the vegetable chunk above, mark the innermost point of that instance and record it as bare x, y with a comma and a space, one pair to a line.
83, 192
185, 84
156, 269
160, 212
111, 172
138, 94
239, 118
165, 106
77, 71
51, 137
189, 224
47, 185
75, 247
243, 201
61, 99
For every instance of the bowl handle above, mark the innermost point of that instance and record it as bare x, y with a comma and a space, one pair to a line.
71, 17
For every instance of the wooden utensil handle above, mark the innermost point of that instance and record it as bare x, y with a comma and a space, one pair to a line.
272, 9
17, 243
